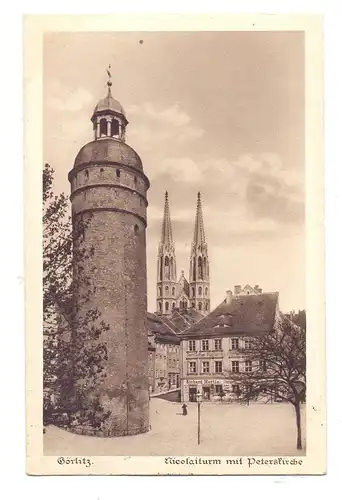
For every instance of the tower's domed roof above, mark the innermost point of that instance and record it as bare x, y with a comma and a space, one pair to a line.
108, 150
109, 104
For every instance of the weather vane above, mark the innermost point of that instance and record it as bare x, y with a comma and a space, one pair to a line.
109, 83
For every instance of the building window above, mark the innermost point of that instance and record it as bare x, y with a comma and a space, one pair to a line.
166, 306
193, 291
206, 306
248, 344
193, 304
192, 367
218, 366
262, 365
86, 175
206, 291
205, 345
136, 229
118, 173
235, 344
135, 182
235, 367
159, 291
248, 366
218, 344
160, 307
200, 306
199, 290
173, 305
218, 389
236, 388
173, 290
166, 290
192, 345
205, 367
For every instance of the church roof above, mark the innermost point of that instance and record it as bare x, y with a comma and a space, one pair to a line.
180, 320
244, 314
163, 332
108, 150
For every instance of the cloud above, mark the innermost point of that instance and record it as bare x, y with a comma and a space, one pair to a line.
154, 128
269, 190
184, 170
61, 98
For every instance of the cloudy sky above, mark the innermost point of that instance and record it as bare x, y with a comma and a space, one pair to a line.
216, 112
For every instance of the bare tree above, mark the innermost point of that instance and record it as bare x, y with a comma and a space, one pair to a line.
276, 368
73, 353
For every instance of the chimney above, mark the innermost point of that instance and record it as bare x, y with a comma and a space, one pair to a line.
237, 289
229, 296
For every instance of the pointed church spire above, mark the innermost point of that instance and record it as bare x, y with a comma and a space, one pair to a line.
199, 237
166, 236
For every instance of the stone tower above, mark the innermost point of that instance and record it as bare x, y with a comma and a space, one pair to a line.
108, 193
166, 269
199, 265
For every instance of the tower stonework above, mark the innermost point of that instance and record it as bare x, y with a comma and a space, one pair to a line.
199, 278
108, 193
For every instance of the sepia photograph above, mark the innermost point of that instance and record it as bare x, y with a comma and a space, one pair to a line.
174, 248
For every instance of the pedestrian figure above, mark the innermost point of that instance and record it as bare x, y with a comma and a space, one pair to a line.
185, 411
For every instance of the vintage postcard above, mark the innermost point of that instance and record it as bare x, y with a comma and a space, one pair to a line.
174, 245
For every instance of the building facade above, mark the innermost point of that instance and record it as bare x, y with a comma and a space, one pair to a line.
213, 349
182, 294
164, 355
109, 197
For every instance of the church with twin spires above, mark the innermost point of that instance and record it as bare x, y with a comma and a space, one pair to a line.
182, 295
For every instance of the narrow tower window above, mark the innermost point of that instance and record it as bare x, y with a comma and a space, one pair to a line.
136, 229
161, 268
86, 175
166, 290
206, 291
159, 291
200, 290
200, 268
115, 127
118, 173
193, 291
167, 268
173, 305
166, 306
103, 127
173, 290
200, 306
194, 269
160, 306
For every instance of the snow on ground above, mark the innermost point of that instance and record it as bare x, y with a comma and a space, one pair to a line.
226, 429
